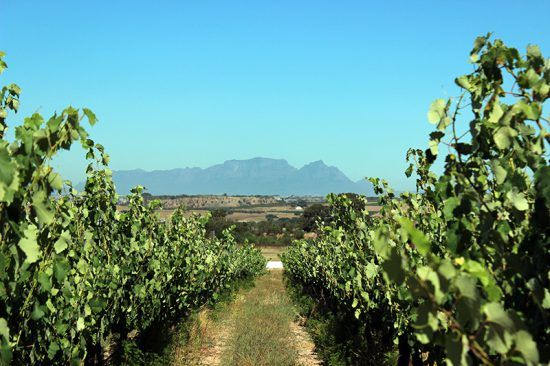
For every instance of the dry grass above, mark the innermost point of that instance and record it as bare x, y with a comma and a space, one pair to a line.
263, 334
271, 253
256, 216
248, 215
257, 329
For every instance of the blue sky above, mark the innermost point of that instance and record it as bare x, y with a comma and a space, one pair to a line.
194, 83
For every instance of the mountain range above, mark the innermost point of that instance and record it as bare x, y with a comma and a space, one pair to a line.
257, 176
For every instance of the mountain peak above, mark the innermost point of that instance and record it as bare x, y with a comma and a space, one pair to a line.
259, 175
316, 164
256, 159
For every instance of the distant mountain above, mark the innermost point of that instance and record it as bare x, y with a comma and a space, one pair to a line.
260, 176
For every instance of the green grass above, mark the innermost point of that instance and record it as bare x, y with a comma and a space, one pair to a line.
262, 334
250, 328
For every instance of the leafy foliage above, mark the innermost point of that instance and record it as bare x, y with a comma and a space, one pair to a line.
460, 270
74, 270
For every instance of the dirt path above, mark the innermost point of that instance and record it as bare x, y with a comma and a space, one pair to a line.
258, 328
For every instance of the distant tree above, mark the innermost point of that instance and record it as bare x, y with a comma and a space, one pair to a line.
218, 222
313, 214
270, 217
358, 201
219, 213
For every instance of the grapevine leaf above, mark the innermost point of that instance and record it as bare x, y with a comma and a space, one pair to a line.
56, 181
533, 51
503, 137
9, 176
466, 286
417, 237
61, 268
464, 83
44, 281
40, 204
546, 301
80, 324
393, 267
62, 243
518, 200
447, 270
29, 245
496, 113
53, 349
437, 111
527, 347
457, 349
4, 330
496, 314
37, 312
92, 119
499, 172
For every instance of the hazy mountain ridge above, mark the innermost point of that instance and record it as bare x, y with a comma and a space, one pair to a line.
262, 176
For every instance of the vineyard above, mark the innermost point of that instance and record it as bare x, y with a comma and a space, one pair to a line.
456, 273
459, 272
77, 277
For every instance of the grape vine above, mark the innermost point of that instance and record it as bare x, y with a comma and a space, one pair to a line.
458, 272
74, 271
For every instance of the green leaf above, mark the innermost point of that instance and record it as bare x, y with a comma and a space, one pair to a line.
467, 286
447, 270
393, 267
546, 301
531, 111
437, 111
449, 206
82, 266
433, 145
464, 82
518, 200
503, 137
426, 273
457, 349
44, 281
56, 181
97, 304
499, 339
29, 245
371, 270
62, 243
495, 313
527, 347
42, 209
4, 330
497, 113
80, 324
37, 312
53, 349
533, 51
417, 237
60, 269
92, 119
9, 175
499, 172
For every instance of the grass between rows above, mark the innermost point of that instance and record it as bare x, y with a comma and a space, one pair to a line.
252, 328
262, 333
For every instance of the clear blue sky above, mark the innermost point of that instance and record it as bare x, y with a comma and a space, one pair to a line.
194, 83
